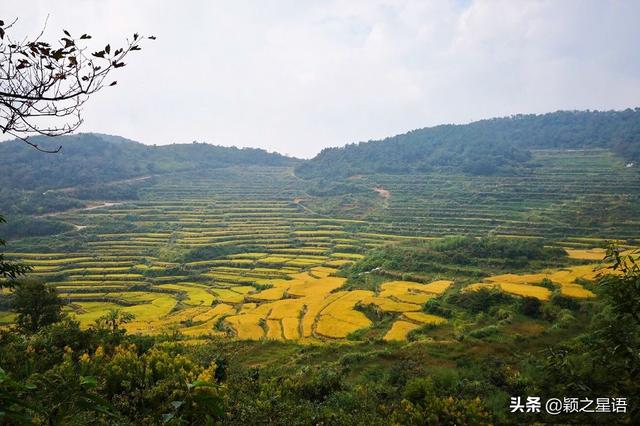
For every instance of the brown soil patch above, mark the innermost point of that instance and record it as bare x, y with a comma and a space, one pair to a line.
382, 192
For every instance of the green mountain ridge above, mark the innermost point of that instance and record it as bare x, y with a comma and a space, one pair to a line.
498, 146
93, 166
90, 158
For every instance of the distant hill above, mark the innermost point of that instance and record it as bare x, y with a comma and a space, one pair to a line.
90, 158
93, 166
499, 146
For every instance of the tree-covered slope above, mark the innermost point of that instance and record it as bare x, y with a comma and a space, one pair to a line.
496, 146
87, 159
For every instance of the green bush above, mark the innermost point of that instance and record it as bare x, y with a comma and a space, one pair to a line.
480, 300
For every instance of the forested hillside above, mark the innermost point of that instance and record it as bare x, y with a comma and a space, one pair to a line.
499, 146
95, 166
91, 158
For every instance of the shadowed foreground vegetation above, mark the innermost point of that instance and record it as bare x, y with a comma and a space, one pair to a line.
61, 374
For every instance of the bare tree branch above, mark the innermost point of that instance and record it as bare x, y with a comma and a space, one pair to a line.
43, 86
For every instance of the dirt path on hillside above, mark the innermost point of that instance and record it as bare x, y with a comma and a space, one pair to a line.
384, 193
92, 207
298, 201
71, 188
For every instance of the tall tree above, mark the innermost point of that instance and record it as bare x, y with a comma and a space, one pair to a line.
9, 271
36, 305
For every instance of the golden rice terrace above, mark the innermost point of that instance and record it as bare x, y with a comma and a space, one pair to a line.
247, 253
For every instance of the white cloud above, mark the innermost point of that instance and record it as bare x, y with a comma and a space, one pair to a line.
298, 76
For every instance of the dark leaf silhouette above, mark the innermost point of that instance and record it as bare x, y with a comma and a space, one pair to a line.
46, 88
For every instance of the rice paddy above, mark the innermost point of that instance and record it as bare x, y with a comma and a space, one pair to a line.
529, 284
233, 252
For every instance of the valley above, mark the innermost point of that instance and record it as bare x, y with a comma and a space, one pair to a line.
234, 252
347, 288
375, 213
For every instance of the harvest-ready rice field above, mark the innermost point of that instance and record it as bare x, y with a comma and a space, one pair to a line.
242, 252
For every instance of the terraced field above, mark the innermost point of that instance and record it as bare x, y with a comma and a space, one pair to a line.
587, 193
241, 251
267, 272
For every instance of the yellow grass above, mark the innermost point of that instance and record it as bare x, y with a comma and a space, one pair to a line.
149, 312
338, 262
246, 326
538, 292
303, 262
478, 286
389, 305
35, 255
314, 305
586, 254
301, 300
312, 286
525, 284
349, 256
275, 259
227, 296
423, 318
190, 314
332, 327
418, 298
63, 261
274, 329
399, 330
91, 311
286, 308
437, 287
247, 255
576, 290
204, 329
401, 287
7, 317
323, 271
243, 289
247, 307
110, 276
413, 292
275, 293
291, 328
196, 294
339, 318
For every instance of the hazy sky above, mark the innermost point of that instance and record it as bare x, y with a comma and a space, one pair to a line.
296, 76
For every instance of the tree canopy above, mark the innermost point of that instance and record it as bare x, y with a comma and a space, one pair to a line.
499, 146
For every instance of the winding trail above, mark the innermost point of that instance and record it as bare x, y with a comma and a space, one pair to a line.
298, 201
71, 188
385, 194
93, 207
